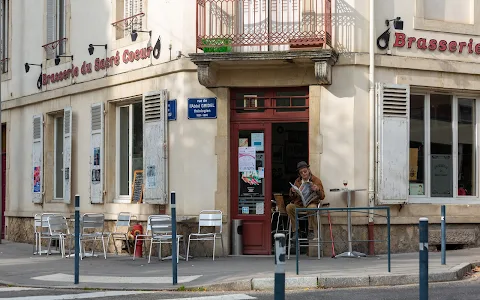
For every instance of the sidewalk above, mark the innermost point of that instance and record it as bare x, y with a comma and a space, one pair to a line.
20, 268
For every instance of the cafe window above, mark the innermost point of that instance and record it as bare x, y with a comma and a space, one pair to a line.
443, 140
129, 147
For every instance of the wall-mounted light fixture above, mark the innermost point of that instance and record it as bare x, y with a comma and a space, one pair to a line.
27, 66
397, 23
57, 59
134, 34
91, 48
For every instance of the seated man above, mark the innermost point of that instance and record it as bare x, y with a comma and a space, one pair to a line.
312, 191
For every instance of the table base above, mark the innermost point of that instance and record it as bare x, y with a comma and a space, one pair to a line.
351, 254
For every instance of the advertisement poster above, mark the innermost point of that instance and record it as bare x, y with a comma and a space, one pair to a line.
96, 176
96, 156
257, 141
151, 177
242, 142
36, 179
246, 159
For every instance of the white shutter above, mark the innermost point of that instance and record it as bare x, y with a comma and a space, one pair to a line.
155, 147
96, 153
37, 159
51, 26
67, 154
131, 8
393, 136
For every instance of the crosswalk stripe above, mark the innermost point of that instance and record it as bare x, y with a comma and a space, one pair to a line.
116, 279
17, 289
81, 296
222, 297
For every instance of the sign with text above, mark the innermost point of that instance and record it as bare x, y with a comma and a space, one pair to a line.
202, 108
172, 110
422, 43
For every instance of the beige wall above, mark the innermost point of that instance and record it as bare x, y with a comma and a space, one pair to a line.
191, 147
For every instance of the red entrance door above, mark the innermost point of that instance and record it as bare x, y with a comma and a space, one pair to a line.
251, 184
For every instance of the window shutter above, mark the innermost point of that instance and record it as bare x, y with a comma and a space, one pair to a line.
37, 159
393, 137
155, 147
131, 8
96, 153
51, 26
67, 154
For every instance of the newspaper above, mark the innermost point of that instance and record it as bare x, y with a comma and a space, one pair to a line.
304, 194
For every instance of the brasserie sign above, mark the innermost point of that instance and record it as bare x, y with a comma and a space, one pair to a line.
98, 65
401, 40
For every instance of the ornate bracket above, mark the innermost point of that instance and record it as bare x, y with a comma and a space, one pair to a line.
323, 72
207, 75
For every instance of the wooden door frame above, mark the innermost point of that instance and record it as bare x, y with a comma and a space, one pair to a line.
235, 128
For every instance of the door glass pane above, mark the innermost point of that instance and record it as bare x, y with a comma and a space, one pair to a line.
59, 157
466, 147
441, 143
137, 138
251, 163
124, 158
289, 100
417, 143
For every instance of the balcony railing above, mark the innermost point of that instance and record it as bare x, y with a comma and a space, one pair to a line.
263, 25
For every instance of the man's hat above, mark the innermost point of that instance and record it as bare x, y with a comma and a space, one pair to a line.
302, 165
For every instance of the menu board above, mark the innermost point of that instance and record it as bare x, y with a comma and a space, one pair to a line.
137, 187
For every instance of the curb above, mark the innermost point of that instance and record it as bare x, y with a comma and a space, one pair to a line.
455, 273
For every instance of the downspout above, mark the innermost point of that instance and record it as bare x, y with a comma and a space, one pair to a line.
371, 135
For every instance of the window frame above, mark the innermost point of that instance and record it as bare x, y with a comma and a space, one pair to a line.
421, 23
126, 39
118, 197
66, 31
455, 199
55, 141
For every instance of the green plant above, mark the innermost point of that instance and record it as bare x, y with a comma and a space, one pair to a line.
217, 45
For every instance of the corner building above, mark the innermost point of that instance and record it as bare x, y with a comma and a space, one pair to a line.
100, 93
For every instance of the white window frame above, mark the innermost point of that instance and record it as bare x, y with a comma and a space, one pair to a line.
426, 199
421, 23
58, 26
124, 198
55, 141
5, 35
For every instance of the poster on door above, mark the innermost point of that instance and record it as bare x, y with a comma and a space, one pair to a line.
246, 159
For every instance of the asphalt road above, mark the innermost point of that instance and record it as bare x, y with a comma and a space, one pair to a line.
464, 290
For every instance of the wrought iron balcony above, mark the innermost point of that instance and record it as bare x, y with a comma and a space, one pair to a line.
263, 25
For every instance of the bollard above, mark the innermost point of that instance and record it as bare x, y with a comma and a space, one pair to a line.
444, 236
77, 239
279, 290
174, 237
423, 235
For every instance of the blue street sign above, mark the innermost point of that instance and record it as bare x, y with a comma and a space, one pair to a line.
202, 108
172, 110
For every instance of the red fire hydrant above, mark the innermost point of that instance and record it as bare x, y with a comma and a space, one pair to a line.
136, 230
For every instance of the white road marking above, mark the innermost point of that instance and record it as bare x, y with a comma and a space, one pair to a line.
222, 297
17, 289
81, 296
116, 279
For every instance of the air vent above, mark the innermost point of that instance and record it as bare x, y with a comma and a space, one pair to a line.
96, 117
153, 108
37, 128
67, 121
395, 102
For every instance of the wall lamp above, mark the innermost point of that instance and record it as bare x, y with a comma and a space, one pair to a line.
91, 48
57, 59
27, 66
397, 23
134, 34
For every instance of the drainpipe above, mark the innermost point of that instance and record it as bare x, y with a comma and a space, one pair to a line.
371, 135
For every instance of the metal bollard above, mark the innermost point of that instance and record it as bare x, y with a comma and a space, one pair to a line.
444, 236
423, 235
174, 236
77, 239
279, 289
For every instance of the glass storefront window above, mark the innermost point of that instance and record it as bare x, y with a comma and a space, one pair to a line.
442, 146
